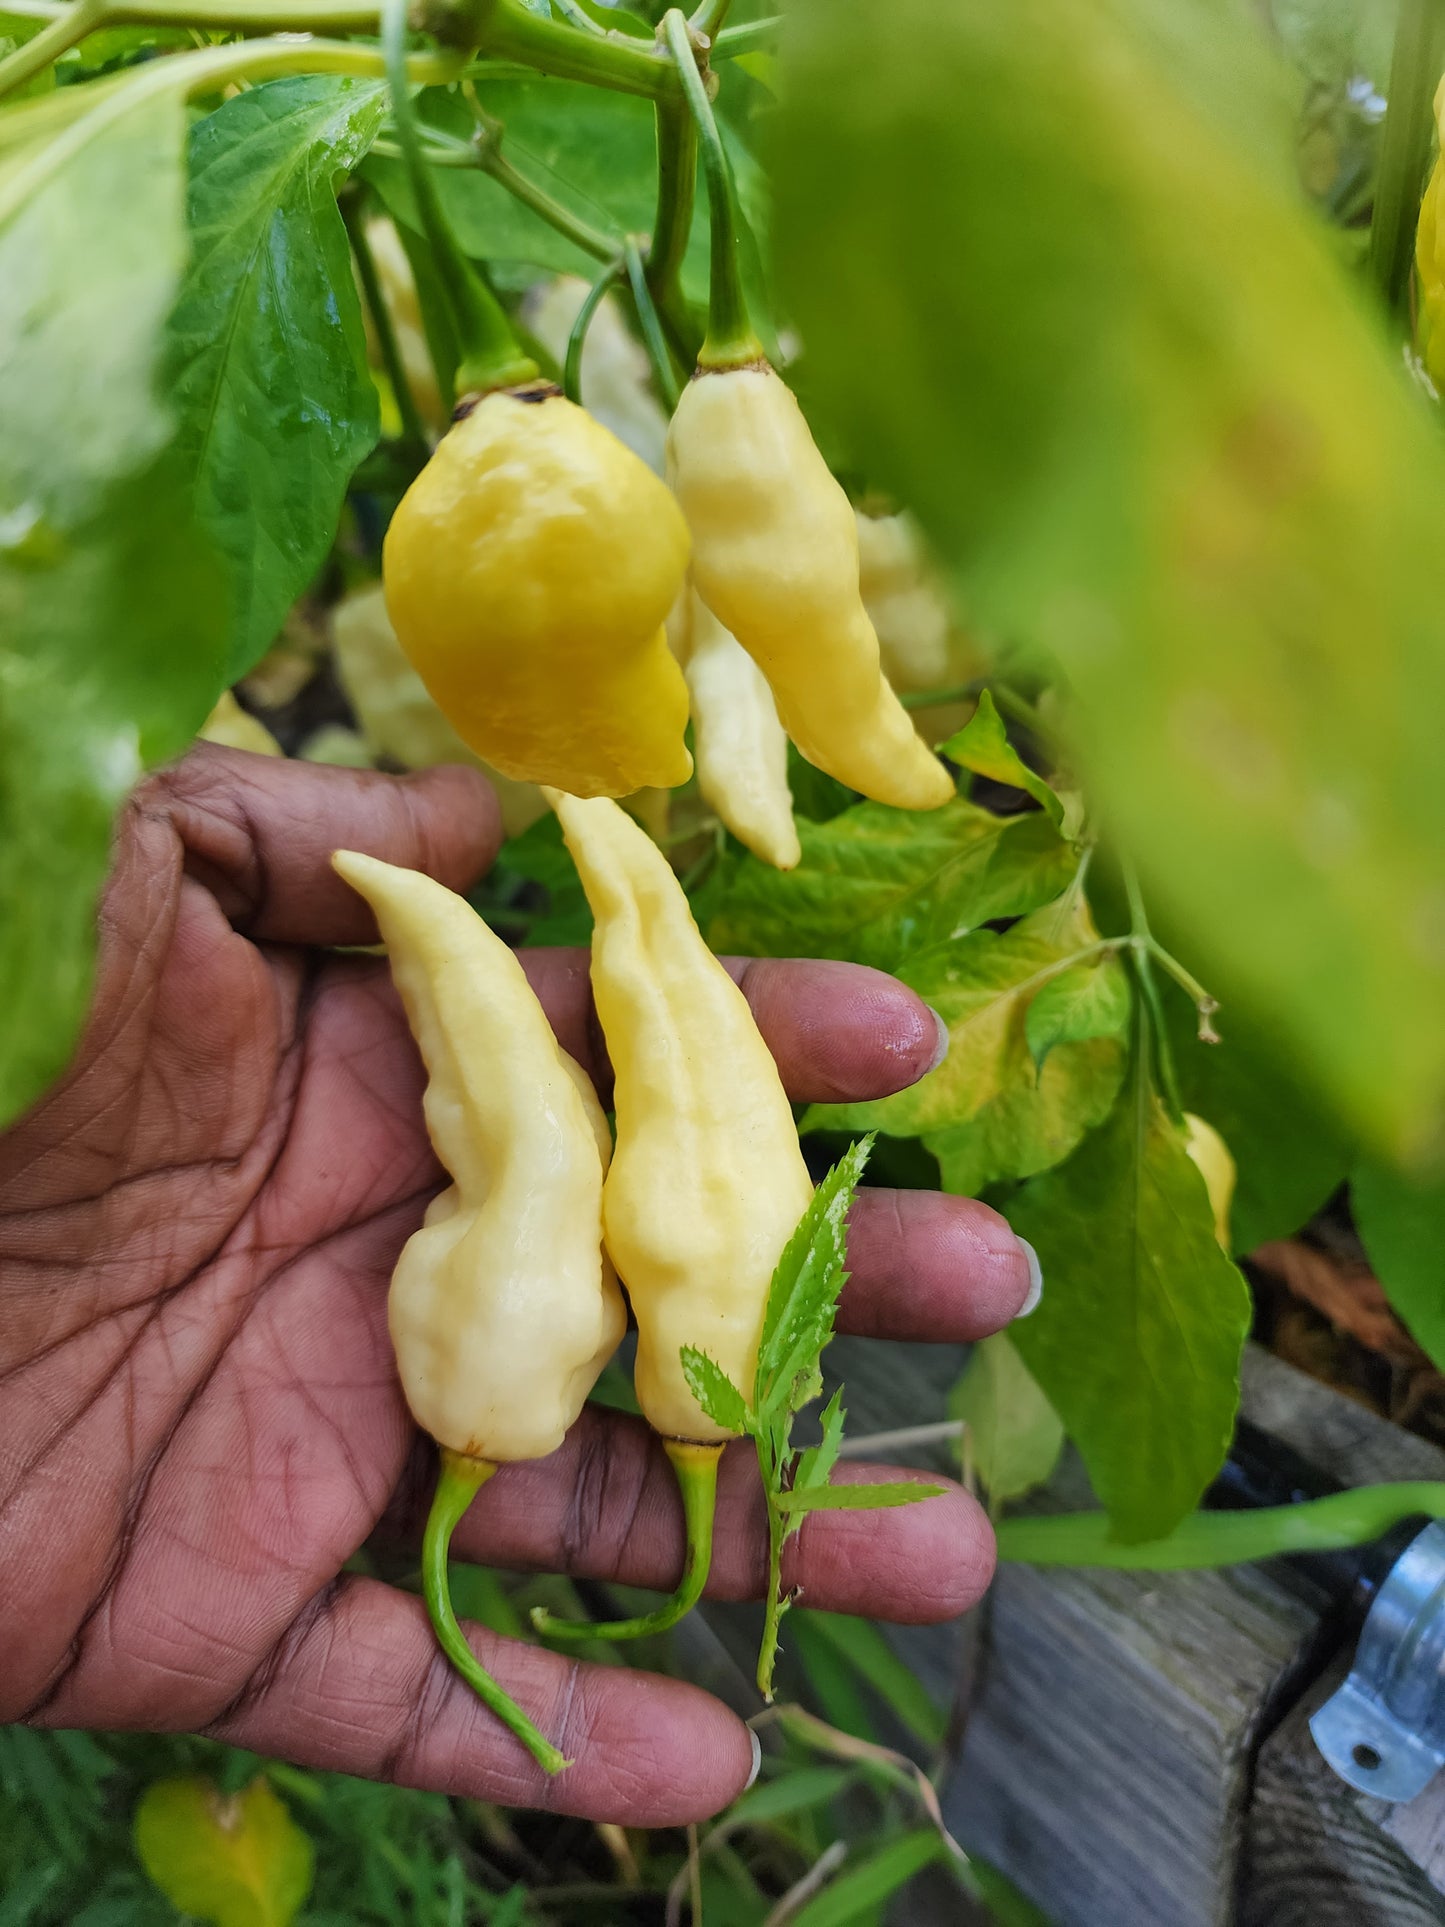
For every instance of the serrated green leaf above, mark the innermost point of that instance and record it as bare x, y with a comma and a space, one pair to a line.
1091, 999
714, 1391
1401, 1220
804, 1292
110, 625
236, 1860
855, 1498
987, 1112
876, 884
1138, 1338
268, 360
1211, 497
982, 745
1014, 1435
815, 1464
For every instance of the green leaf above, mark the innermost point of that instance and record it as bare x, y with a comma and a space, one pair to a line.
876, 883
1401, 1220
1138, 1338
815, 1464
539, 856
982, 745
268, 365
1014, 1435
1090, 999
1209, 495
855, 1498
110, 626
1290, 1152
804, 1291
238, 1861
988, 1112
714, 1391
856, 1894
868, 1652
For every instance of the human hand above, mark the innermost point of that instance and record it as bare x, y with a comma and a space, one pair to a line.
202, 1416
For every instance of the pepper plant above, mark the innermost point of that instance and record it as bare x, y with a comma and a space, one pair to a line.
1049, 275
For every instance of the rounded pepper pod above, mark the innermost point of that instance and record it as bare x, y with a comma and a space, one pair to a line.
775, 557
529, 570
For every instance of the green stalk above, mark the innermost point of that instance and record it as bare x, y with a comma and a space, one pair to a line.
414, 436
50, 43
730, 341
648, 319
672, 223
490, 158
750, 36
491, 356
1141, 950
709, 16
696, 1469
1208, 1539
458, 1482
577, 340
1415, 64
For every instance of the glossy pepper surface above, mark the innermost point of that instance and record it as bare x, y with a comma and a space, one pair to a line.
707, 1183
502, 1310
775, 558
739, 745
529, 570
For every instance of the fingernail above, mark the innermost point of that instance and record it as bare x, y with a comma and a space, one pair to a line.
757, 1758
1036, 1280
944, 1040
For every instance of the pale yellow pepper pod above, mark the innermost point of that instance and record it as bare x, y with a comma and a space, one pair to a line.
707, 1182
775, 557
502, 1310
529, 570
1211, 1157
904, 601
739, 746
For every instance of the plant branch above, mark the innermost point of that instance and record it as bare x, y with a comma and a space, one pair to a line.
707, 17
490, 158
648, 320
672, 223
748, 37
506, 30
577, 340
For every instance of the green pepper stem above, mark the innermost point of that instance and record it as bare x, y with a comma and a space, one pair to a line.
1415, 63
490, 354
730, 341
458, 1482
672, 223
1208, 1539
696, 1468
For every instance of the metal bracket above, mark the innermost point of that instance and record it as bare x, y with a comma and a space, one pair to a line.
1383, 1731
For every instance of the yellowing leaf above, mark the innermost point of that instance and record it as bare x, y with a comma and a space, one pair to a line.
238, 1860
988, 1112
1014, 1435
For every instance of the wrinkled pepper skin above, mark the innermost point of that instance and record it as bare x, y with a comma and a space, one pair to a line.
904, 601
775, 557
502, 1310
707, 1183
739, 745
529, 570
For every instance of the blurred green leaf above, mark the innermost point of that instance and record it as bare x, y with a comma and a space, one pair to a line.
987, 1112
795, 1789
856, 1892
982, 745
238, 1860
1401, 1220
268, 362
539, 856
110, 631
1137, 1341
1291, 1155
1014, 1435
1099, 345
876, 883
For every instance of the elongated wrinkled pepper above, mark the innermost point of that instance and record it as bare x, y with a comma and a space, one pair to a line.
529, 570
775, 557
707, 1183
740, 747
502, 1309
